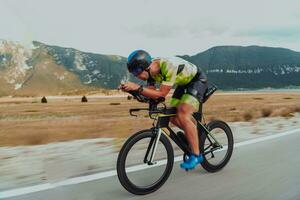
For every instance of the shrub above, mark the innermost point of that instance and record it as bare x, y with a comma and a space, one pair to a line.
114, 103
283, 112
35, 140
247, 116
44, 100
266, 112
258, 98
297, 109
84, 99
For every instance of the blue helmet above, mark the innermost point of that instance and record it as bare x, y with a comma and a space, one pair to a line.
138, 61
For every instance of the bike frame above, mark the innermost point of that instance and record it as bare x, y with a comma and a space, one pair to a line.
162, 126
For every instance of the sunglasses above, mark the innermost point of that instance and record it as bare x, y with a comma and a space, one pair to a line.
136, 71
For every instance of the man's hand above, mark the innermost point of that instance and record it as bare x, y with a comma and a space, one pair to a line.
129, 86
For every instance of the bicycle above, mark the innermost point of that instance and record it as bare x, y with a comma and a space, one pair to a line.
157, 152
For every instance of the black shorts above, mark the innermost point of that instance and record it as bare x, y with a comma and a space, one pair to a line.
192, 93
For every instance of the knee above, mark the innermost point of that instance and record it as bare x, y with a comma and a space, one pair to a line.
185, 109
180, 110
182, 117
184, 114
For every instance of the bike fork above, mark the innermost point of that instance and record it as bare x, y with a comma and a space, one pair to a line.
157, 132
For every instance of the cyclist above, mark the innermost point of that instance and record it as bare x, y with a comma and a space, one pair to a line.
190, 82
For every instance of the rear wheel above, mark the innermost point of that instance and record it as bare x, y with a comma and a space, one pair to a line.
216, 156
135, 173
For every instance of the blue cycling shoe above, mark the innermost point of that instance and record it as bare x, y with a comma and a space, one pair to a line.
192, 162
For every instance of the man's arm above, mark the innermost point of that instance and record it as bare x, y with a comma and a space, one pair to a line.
152, 93
150, 87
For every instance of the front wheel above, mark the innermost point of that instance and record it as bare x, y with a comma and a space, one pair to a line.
216, 154
136, 174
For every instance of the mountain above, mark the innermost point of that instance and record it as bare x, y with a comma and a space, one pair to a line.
252, 67
92, 69
41, 69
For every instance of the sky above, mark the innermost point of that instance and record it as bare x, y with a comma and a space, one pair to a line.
162, 27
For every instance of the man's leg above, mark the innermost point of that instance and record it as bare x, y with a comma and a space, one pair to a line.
184, 113
176, 122
189, 102
175, 101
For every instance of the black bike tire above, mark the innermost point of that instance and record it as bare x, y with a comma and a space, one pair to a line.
210, 126
123, 178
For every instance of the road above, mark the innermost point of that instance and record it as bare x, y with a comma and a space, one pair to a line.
268, 169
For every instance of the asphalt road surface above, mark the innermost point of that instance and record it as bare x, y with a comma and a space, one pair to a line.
264, 170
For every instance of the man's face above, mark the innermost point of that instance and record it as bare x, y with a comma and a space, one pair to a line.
143, 76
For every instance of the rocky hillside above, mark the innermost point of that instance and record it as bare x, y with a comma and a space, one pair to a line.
42, 69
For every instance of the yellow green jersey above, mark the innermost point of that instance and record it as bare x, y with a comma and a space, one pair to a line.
175, 71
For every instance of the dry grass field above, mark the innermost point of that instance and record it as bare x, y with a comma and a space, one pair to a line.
26, 121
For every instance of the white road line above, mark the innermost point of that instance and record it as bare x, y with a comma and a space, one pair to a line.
261, 139
101, 175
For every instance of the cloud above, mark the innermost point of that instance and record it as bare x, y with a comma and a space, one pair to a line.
158, 30
167, 27
283, 33
167, 30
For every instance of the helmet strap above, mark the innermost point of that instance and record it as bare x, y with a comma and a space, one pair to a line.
150, 79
